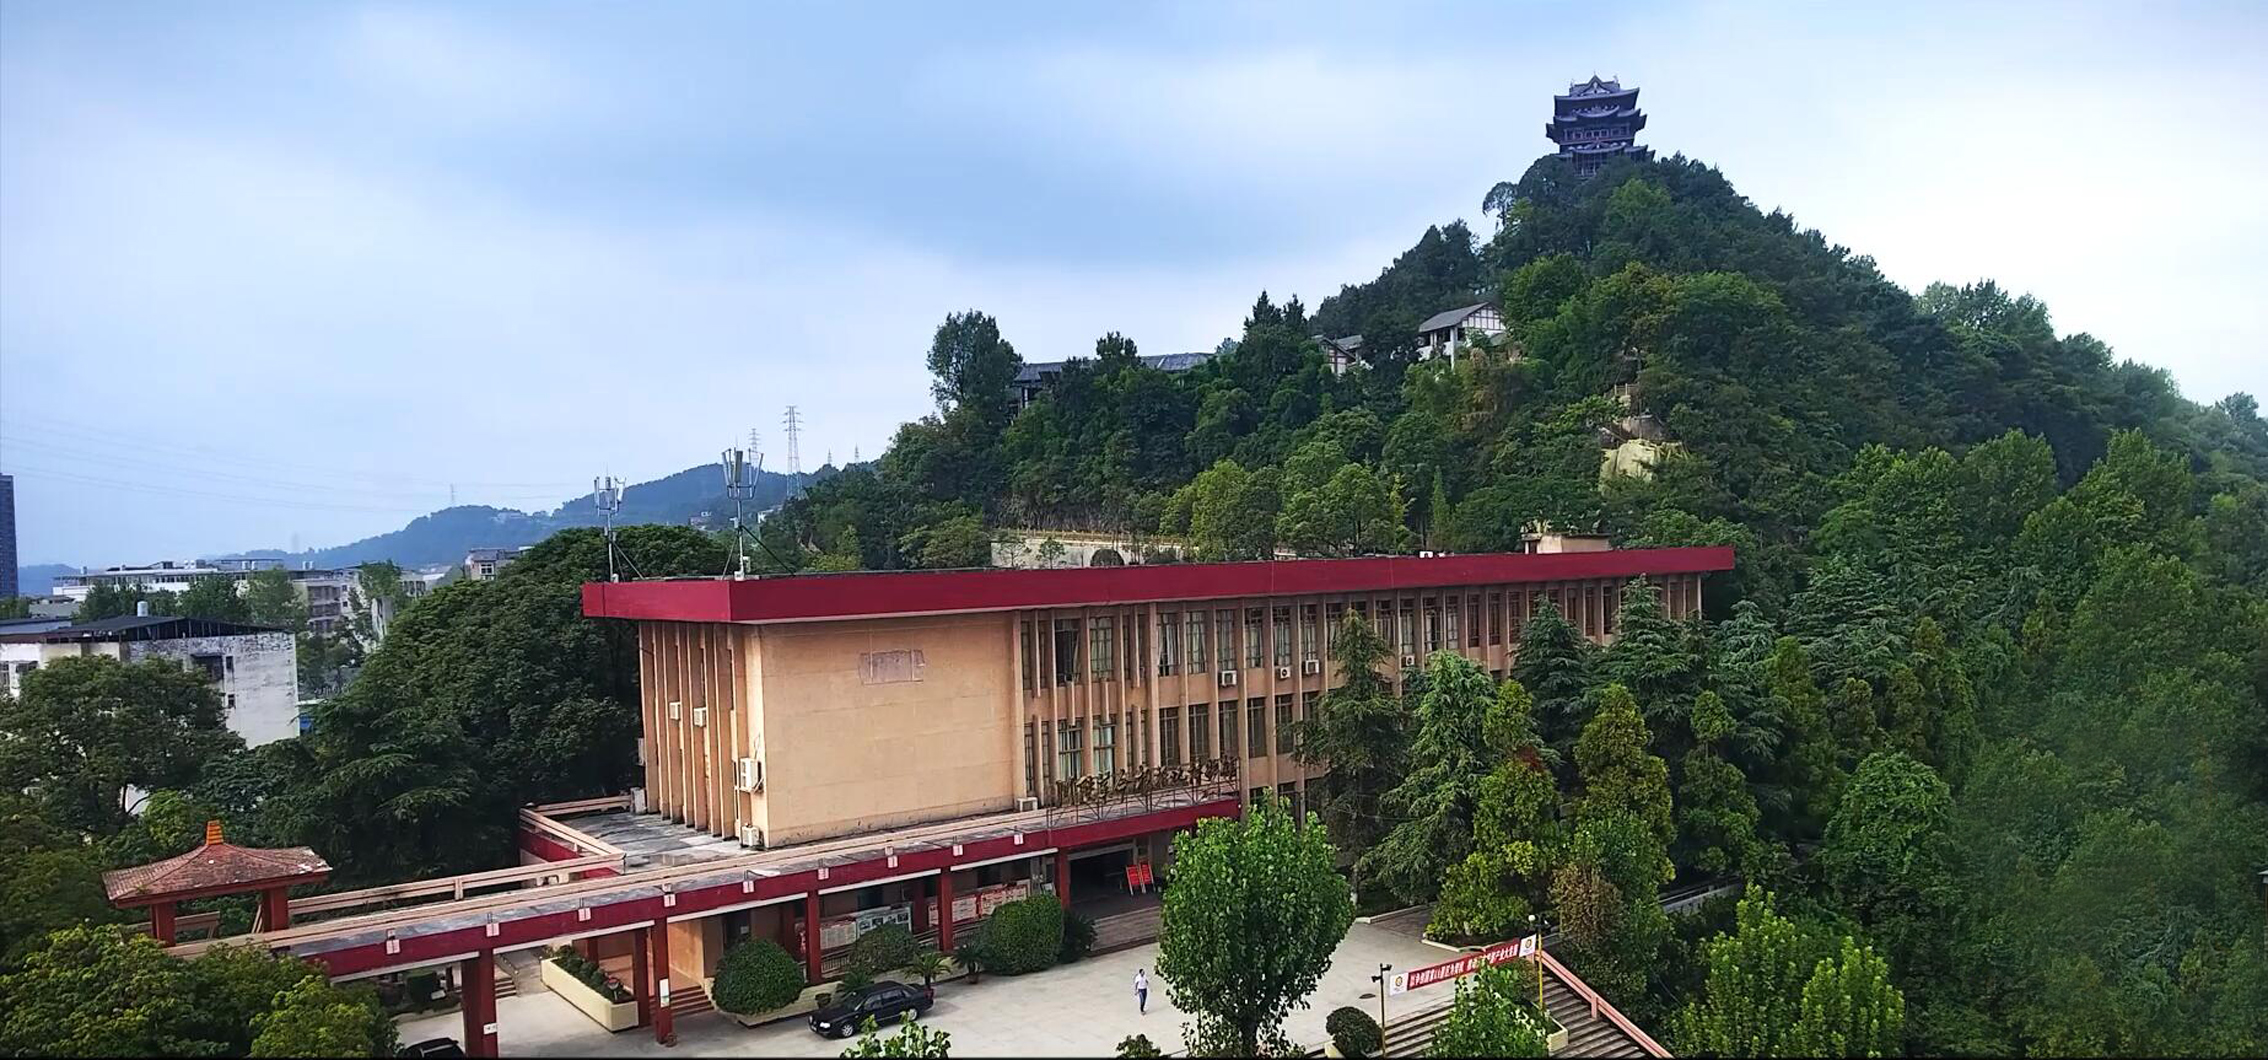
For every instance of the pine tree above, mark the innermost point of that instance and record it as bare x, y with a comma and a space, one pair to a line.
1718, 819
1554, 665
1809, 767
1849, 1007
1653, 658
1434, 804
1619, 775
1358, 733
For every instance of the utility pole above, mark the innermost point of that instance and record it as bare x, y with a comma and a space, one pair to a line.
794, 456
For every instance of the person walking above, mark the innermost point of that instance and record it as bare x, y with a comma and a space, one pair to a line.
1141, 992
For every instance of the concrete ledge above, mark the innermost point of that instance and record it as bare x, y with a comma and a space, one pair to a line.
612, 1015
804, 1004
1391, 914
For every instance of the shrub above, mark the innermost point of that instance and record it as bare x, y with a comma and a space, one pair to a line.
1025, 935
588, 972
883, 950
1137, 1047
1353, 1031
1078, 938
757, 976
970, 955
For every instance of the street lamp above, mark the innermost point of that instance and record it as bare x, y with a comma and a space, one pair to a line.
1380, 979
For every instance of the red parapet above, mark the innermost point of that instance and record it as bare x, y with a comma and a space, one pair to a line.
876, 594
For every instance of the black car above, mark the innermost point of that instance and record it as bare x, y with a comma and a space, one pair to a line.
434, 1047
883, 1002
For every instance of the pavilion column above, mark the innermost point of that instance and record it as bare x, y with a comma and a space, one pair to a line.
641, 977
161, 923
665, 1022
921, 895
1063, 877
945, 910
812, 969
275, 909
478, 973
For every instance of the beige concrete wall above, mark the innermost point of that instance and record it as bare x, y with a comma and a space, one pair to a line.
881, 723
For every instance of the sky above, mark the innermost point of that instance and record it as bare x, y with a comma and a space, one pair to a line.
286, 275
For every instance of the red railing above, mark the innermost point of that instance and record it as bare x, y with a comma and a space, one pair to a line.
1601, 1008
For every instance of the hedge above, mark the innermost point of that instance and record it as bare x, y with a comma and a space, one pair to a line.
1353, 1031
591, 975
1025, 935
757, 976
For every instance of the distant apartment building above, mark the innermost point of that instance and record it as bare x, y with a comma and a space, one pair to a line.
168, 576
8, 584
482, 564
330, 594
255, 668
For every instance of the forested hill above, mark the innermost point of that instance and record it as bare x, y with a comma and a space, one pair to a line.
446, 535
1985, 702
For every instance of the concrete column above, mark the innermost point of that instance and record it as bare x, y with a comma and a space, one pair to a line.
478, 973
945, 910
812, 968
1063, 877
275, 908
640, 976
665, 1023
161, 923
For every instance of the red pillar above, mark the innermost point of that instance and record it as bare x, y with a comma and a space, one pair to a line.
812, 969
275, 908
665, 1022
945, 911
641, 981
921, 895
479, 975
1063, 877
161, 923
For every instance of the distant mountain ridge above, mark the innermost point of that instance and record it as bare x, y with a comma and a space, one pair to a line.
446, 535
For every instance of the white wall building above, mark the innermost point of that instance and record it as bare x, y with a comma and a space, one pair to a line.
1445, 334
255, 668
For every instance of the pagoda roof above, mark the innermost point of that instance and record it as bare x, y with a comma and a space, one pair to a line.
215, 867
1597, 88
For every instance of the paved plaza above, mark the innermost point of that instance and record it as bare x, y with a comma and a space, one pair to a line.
1080, 1009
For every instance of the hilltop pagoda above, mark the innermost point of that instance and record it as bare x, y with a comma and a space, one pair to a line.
1595, 121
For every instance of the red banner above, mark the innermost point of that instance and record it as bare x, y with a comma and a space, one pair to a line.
1511, 950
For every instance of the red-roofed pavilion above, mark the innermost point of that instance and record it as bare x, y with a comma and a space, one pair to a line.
217, 867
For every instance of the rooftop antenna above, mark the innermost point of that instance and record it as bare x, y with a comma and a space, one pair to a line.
606, 491
738, 487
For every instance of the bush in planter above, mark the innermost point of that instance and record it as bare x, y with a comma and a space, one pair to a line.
1078, 938
757, 976
1353, 1031
969, 954
588, 972
1025, 935
883, 950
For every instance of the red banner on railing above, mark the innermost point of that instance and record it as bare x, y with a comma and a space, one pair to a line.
1511, 950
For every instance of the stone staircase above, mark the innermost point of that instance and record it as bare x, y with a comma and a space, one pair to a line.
1123, 930
689, 1000
1587, 1035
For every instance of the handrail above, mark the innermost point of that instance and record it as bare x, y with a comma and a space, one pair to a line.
603, 802
1601, 1007
455, 886
572, 836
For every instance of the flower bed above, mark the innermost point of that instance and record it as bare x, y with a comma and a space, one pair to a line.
586, 986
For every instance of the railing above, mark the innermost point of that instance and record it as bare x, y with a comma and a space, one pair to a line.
539, 819
456, 887
1601, 1008
1095, 797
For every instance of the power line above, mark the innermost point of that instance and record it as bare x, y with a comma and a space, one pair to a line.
173, 466
115, 438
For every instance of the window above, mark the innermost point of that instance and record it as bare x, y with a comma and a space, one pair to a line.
1066, 650
1472, 622
1280, 631
1609, 607
1310, 645
1256, 726
1283, 724
1031, 758
1144, 749
1289, 792
1252, 656
1200, 732
1106, 747
1224, 638
231, 697
1099, 639
1031, 661
1256, 795
1169, 642
228, 663
209, 665
1228, 729
1432, 609
1452, 609
1307, 701
1130, 632
1496, 618
1522, 603
1196, 642
1067, 751
1408, 623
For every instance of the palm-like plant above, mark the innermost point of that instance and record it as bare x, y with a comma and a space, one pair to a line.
929, 963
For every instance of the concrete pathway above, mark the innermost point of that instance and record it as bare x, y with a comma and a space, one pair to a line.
1082, 1009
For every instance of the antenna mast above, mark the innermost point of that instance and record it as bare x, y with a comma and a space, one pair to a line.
738, 486
606, 490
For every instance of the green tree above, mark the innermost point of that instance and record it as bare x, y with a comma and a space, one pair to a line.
1849, 1007
974, 368
1230, 513
1719, 823
87, 731
216, 599
1357, 733
1251, 917
1554, 665
1433, 805
1651, 657
1353, 513
912, 1040
1620, 776
960, 541
1491, 893
314, 1018
1491, 1016
49, 878
1752, 997
96, 992
271, 600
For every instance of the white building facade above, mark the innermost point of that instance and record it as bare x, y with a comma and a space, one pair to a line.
255, 668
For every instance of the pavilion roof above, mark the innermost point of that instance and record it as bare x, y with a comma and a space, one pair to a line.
215, 867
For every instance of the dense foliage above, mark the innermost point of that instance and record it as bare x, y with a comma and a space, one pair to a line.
757, 976
1354, 1031
1024, 936
1492, 1015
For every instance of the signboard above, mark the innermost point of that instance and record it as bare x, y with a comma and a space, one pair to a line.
843, 930
1138, 876
982, 901
1511, 950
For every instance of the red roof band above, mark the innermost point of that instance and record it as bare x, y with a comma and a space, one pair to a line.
875, 594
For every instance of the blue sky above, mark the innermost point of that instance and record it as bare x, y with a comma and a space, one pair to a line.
288, 272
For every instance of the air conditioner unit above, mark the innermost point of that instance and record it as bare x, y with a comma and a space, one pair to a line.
1027, 804
700, 717
673, 705
1283, 673
1227, 678
751, 836
1409, 661
1311, 666
748, 774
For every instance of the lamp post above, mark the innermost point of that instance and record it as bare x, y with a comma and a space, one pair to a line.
1535, 928
1381, 980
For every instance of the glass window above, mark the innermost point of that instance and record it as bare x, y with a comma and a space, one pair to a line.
1432, 611
1252, 656
1099, 646
1224, 638
1228, 729
1284, 724
1066, 650
1496, 618
1106, 746
1256, 726
1200, 732
1169, 736
1289, 792
1169, 642
1280, 631
1067, 751
1148, 755
1031, 661
1408, 623
1196, 642
1472, 622
1310, 643
1332, 617
1453, 609
1031, 759
1521, 602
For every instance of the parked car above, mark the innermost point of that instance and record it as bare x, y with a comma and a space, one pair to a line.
434, 1047
882, 1002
